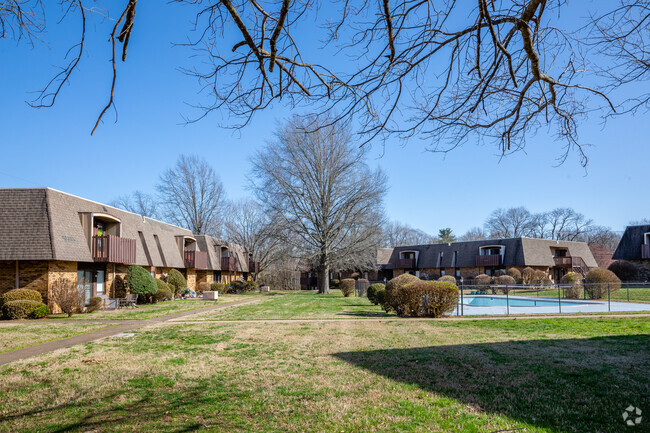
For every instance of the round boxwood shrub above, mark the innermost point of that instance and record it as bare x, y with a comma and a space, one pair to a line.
449, 278
527, 275
572, 284
483, 281
335, 282
514, 273
599, 281
625, 271
40, 312
20, 295
140, 281
20, 309
540, 278
372, 291
218, 287
176, 281
505, 281
164, 293
347, 287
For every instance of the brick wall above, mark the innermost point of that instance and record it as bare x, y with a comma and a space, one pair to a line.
7, 275
33, 275
191, 278
204, 277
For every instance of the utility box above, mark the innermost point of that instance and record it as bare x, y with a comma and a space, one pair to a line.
210, 296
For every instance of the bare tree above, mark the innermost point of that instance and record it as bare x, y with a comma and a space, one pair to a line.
138, 202
248, 225
603, 236
449, 72
192, 195
322, 194
473, 234
566, 224
509, 223
396, 234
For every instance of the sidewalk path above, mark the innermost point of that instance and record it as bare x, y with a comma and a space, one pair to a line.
129, 325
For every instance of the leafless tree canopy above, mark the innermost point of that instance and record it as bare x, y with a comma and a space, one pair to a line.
191, 195
396, 234
139, 202
445, 71
473, 234
322, 195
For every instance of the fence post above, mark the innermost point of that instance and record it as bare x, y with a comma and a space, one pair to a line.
609, 304
461, 298
507, 300
628, 293
559, 299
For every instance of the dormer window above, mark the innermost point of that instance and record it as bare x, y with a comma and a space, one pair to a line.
407, 255
646, 238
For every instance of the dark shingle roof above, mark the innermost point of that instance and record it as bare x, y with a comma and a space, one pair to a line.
24, 225
629, 247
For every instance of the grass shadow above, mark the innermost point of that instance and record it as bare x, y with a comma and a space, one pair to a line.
563, 385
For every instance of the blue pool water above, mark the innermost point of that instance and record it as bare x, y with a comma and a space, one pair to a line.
493, 301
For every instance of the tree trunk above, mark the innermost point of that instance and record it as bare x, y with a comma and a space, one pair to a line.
324, 280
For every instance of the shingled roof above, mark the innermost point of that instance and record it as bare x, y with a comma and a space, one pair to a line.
629, 247
517, 252
213, 247
24, 225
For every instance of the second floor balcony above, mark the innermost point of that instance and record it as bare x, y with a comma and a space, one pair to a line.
113, 249
489, 260
196, 259
405, 264
228, 263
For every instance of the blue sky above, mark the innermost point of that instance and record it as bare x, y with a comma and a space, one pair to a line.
53, 147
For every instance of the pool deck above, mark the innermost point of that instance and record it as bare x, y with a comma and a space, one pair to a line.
565, 306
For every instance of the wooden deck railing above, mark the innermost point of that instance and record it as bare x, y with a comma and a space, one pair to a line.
569, 262
489, 260
405, 264
113, 249
228, 263
196, 259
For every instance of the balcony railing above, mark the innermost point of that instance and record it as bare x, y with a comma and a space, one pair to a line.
228, 263
253, 266
645, 251
196, 259
113, 249
405, 264
489, 260
569, 262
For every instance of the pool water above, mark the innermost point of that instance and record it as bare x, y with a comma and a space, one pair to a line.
493, 301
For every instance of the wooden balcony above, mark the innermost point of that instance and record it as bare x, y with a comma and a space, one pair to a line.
645, 251
113, 249
253, 267
405, 264
569, 262
228, 263
196, 259
489, 260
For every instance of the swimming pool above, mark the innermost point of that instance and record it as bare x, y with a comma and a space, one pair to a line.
500, 304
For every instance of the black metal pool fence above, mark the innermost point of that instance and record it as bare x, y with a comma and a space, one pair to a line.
602, 296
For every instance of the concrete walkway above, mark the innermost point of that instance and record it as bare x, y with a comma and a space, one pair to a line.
127, 325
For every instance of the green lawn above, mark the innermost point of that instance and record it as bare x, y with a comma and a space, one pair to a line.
300, 305
17, 334
150, 311
536, 375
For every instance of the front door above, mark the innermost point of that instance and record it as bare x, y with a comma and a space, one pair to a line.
99, 283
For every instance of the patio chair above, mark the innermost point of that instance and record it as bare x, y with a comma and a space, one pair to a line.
131, 300
108, 302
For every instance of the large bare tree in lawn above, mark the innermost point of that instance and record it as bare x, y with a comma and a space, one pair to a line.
192, 195
322, 195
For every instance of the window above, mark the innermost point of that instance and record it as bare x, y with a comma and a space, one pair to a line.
440, 257
457, 272
442, 272
560, 252
454, 259
646, 238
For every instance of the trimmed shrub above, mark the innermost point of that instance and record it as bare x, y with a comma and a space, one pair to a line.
347, 287
598, 281
20, 309
504, 281
40, 312
141, 282
380, 297
176, 281
625, 271
372, 291
20, 295
336, 283
202, 287
540, 278
423, 298
483, 281
164, 292
237, 287
251, 286
94, 304
449, 278
514, 273
572, 284
218, 287
527, 275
